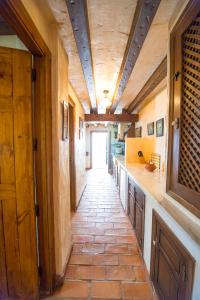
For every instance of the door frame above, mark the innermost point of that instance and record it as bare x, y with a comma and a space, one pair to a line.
15, 14
91, 132
72, 156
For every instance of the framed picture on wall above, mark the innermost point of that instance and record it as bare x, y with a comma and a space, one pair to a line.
80, 127
138, 132
65, 121
150, 128
160, 127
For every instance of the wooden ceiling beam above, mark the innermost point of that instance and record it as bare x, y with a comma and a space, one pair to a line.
144, 14
77, 10
122, 118
159, 74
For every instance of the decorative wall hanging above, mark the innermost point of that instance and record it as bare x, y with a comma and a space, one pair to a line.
150, 128
138, 132
65, 121
160, 127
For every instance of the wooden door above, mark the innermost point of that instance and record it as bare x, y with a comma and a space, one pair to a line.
72, 158
18, 255
172, 267
184, 155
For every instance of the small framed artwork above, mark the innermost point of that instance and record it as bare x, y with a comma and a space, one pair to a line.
65, 122
80, 127
138, 132
160, 127
150, 128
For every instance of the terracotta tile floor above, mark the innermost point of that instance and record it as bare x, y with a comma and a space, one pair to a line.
105, 262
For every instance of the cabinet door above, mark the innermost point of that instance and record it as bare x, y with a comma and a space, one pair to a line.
136, 212
131, 203
139, 224
184, 137
132, 209
139, 215
172, 267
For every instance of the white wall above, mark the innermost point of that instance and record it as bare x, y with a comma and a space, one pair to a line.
12, 41
156, 109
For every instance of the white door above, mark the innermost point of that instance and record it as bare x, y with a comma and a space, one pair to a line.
99, 150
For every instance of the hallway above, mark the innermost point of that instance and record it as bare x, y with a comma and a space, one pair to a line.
105, 262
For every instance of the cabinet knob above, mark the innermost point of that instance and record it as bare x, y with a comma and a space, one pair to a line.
154, 243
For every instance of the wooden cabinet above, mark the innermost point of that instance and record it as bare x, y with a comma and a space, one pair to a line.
172, 267
136, 210
184, 134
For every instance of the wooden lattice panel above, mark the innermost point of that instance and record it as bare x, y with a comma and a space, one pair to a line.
189, 164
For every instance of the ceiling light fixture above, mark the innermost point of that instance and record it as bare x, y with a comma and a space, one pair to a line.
106, 101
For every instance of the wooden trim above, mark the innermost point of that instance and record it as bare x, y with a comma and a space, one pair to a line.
159, 74
60, 279
81, 194
15, 14
79, 19
144, 14
188, 14
126, 118
72, 156
44, 181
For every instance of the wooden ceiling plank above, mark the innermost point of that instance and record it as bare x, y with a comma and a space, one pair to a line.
159, 74
123, 118
143, 17
77, 10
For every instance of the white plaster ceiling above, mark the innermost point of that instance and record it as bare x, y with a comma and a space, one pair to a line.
75, 72
109, 23
152, 53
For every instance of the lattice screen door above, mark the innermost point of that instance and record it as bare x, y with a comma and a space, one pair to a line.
185, 168
189, 165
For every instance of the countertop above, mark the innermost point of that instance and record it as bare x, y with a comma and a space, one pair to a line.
153, 185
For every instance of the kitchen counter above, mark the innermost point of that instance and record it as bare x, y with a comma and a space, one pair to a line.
153, 185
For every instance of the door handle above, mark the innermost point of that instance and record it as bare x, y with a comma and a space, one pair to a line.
176, 75
154, 243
